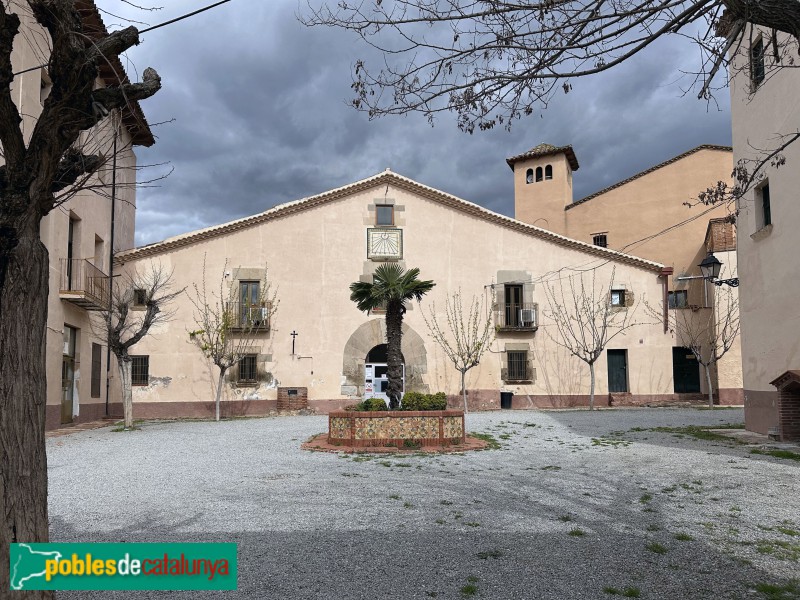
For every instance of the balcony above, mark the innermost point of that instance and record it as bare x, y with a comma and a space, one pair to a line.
249, 317
83, 284
517, 317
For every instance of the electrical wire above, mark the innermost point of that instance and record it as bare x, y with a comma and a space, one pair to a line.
181, 18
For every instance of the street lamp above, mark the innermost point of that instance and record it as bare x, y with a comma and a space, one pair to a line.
710, 268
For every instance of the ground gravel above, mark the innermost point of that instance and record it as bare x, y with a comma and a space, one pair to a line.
320, 525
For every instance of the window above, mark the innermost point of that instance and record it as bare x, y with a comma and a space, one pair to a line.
679, 299
548, 172
529, 176
140, 370
247, 368
97, 363
139, 297
251, 311
600, 239
617, 297
763, 209
517, 365
757, 71
538, 173
384, 215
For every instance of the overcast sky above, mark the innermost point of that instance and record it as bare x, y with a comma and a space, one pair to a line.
260, 116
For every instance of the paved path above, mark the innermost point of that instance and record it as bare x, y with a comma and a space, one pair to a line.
574, 503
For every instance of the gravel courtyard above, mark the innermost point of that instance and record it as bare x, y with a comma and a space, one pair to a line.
573, 505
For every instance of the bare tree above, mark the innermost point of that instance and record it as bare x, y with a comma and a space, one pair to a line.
585, 318
493, 62
466, 336
138, 303
227, 328
40, 163
709, 334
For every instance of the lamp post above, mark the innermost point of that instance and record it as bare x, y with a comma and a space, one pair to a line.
710, 268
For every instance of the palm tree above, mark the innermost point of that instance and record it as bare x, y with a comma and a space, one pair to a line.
391, 287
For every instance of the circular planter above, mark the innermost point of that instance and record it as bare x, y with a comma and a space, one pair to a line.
399, 428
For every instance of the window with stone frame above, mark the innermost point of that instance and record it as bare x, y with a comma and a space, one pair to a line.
248, 369
384, 215
517, 365
618, 298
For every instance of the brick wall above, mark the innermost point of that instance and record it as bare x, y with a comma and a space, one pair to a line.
789, 413
292, 398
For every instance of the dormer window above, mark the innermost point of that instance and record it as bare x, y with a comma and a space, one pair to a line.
548, 172
538, 174
384, 215
529, 176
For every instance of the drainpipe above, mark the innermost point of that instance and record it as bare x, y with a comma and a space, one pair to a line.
111, 264
664, 275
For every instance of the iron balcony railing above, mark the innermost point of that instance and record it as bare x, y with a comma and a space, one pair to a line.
518, 317
249, 316
84, 284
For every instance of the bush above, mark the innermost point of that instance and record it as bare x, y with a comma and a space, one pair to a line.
420, 401
369, 404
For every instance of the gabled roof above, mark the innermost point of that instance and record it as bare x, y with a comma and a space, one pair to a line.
546, 150
650, 170
381, 179
113, 74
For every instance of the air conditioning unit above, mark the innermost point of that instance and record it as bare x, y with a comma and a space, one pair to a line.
527, 317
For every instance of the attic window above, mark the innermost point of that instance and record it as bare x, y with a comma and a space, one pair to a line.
548, 172
384, 215
600, 239
538, 174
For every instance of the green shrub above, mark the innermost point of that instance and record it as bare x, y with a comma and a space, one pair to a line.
369, 404
420, 401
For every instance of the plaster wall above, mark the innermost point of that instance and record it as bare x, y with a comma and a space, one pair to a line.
312, 257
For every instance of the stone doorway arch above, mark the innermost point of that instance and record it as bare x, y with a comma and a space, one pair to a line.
365, 338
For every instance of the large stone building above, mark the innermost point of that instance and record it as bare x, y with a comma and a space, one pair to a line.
765, 112
320, 350
81, 233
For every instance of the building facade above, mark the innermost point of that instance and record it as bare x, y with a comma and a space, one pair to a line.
319, 349
653, 214
84, 230
765, 112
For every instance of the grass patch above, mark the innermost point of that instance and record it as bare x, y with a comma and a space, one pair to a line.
604, 442
408, 505
683, 537
440, 521
657, 548
611, 590
489, 554
491, 441
473, 524
786, 591
565, 518
645, 498
469, 590
577, 532
779, 549
551, 468
653, 527
787, 531
394, 497
784, 454
445, 502
701, 433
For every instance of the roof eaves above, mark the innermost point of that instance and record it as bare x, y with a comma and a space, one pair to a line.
387, 176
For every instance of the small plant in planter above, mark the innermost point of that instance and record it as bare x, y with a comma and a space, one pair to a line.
369, 404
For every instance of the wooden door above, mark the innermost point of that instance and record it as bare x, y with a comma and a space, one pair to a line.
685, 371
617, 371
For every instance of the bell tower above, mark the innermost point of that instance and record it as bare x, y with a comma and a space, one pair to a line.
543, 185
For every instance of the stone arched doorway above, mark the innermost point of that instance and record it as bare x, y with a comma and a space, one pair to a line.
370, 335
376, 373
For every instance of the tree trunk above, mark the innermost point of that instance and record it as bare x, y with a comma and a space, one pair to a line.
219, 391
24, 272
125, 365
591, 389
464, 390
710, 389
394, 324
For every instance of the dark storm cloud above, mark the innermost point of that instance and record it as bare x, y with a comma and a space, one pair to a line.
261, 116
